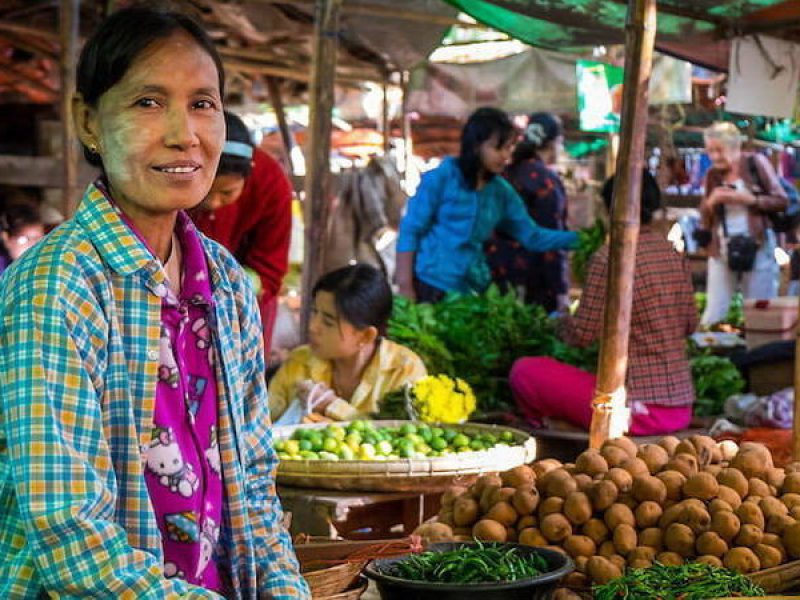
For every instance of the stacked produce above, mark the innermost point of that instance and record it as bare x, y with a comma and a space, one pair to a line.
628, 506
362, 440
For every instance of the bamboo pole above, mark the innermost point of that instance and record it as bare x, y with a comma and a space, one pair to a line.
69, 15
796, 422
276, 100
386, 126
406, 127
316, 206
609, 412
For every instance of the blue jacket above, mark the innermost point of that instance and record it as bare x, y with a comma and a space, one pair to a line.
446, 224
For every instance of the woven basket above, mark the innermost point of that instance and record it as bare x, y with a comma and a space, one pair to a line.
353, 593
333, 580
411, 474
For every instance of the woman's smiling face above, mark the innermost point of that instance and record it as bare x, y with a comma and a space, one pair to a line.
160, 129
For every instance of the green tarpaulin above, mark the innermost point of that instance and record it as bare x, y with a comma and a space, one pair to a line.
692, 32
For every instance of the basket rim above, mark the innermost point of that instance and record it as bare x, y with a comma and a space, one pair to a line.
372, 571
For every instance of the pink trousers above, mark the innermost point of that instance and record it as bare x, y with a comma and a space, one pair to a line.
544, 387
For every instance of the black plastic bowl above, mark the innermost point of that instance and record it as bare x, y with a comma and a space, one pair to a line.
532, 588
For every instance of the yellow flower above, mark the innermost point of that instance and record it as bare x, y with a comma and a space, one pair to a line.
440, 399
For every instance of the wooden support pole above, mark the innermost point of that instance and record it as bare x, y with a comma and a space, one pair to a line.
317, 183
280, 114
385, 124
406, 127
609, 411
796, 422
68, 20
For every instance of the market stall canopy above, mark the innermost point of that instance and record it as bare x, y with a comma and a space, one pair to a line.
256, 38
532, 80
697, 31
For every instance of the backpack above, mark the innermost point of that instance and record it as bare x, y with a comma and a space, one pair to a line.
789, 218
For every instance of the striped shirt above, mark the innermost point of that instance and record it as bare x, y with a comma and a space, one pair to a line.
79, 357
663, 314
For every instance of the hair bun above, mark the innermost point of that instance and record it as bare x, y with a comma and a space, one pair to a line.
535, 133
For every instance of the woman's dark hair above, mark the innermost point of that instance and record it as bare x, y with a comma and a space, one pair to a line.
480, 127
231, 164
119, 40
361, 294
651, 196
542, 129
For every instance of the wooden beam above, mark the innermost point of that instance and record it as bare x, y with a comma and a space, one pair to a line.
389, 12
688, 13
406, 126
297, 73
38, 171
26, 30
317, 183
260, 57
609, 412
69, 16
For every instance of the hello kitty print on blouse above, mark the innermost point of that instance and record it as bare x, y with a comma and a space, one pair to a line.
183, 473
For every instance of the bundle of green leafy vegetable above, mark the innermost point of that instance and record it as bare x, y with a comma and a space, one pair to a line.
735, 315
481, 563
478, 337
589, 240
716, 379
691, 581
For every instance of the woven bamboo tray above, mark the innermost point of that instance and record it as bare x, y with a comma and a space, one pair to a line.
404, 475
778, 579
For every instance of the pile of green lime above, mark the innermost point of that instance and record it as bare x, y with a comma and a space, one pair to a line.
362, 440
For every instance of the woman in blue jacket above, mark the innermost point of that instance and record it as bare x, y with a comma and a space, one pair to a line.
457, 207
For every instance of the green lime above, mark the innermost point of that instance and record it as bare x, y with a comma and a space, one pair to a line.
489, 439
384, 448
305, 446
366, 452
422, 447
309, 455
438, 443
507, 437
316, 442
293, 447
330, 444
328, 456
460, 441
280, 446
336, 432
450, 434
407, 451
425, 433
346, 453
476, 445
357, 426
437, 431
407, 428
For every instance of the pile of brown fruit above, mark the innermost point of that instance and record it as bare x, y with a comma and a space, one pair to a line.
628, 506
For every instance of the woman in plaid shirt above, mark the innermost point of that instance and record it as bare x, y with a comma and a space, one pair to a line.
659, 380
136, 456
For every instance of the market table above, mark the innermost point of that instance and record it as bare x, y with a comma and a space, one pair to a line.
356, 515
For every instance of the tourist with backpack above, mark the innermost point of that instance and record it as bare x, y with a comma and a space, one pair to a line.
743, 200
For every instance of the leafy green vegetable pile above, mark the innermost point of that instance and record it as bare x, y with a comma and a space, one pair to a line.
735, 314
692, 581
715, 380
482, 563
478, 338
589, 240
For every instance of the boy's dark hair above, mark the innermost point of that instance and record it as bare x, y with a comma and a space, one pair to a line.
361, 294
650, 200
230, 164
480, 127
15, 216
119, 40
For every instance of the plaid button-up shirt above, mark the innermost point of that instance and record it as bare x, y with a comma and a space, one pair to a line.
662, 316
79, 349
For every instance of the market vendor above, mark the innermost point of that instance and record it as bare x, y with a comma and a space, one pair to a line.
348, 366
456, 209
659, 385
249, 211
136, 454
